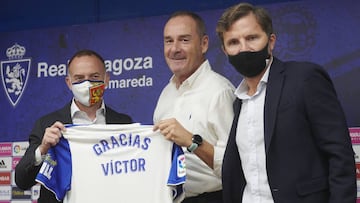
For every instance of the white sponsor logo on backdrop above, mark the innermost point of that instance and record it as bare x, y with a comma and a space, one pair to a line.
19, 148
5, 192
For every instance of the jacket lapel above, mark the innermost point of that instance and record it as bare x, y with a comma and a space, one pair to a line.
65, 114
273, 92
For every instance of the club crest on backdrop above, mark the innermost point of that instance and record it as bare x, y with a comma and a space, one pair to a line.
15, 72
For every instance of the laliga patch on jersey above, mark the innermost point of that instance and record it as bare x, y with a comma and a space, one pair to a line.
181, 167
15, 72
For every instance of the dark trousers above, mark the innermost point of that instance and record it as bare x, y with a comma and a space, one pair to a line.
207, 197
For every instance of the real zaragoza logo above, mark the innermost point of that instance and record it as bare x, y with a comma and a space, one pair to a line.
15, 72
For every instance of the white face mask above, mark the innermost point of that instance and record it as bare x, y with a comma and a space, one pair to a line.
88, 92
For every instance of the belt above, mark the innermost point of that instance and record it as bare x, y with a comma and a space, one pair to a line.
207, 197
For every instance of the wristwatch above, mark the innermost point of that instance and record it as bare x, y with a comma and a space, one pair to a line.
196, 142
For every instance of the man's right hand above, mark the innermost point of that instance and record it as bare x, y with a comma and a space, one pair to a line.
51, 137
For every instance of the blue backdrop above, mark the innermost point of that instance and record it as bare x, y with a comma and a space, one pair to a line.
323, 32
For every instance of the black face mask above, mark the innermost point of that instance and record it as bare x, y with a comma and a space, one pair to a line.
250, 64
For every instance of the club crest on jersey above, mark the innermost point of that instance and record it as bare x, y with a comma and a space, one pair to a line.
15, 72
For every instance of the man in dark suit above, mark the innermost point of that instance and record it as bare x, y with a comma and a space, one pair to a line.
289, 141
87, 79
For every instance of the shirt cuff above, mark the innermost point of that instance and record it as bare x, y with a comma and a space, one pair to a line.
38, 157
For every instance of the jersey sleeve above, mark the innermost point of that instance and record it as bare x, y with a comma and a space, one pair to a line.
177, 174
55, 172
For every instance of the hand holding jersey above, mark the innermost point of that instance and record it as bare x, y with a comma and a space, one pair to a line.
51, 137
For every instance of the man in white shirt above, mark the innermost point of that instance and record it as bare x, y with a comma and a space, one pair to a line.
195, 109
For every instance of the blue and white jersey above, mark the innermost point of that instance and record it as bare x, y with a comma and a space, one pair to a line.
114, 163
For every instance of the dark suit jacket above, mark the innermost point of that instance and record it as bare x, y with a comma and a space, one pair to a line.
309, 156
26, 171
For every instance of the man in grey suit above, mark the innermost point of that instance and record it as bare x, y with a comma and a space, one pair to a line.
87, 79
289, 140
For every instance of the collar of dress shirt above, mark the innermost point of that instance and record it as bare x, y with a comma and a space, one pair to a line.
74, 108
241, 90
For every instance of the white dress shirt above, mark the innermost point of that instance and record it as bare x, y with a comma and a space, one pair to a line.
250, 143
80, 117
203, 104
